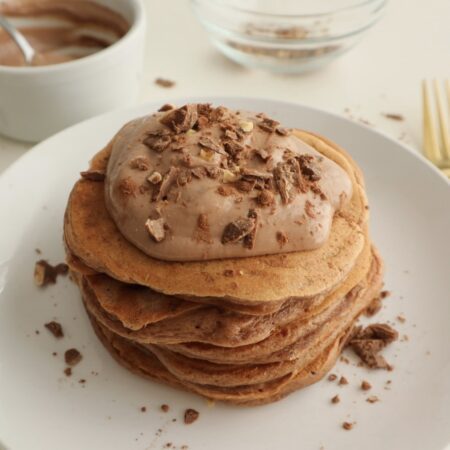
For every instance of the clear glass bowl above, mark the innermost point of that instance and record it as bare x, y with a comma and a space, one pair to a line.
286, 35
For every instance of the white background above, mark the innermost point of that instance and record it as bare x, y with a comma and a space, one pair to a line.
382, 74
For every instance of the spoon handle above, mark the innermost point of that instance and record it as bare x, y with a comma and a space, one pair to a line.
21, 41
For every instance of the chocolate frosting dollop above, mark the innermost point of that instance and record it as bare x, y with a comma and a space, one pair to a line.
203, 183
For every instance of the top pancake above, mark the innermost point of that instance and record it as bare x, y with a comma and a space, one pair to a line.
92, 236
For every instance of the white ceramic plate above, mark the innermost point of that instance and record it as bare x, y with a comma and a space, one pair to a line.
41, 409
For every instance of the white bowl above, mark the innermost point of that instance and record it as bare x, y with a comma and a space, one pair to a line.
36, 102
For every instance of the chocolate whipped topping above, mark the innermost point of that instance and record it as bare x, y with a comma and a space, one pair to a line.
202, 183
59, 30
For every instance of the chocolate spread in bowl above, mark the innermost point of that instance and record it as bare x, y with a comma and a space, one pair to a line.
59, 30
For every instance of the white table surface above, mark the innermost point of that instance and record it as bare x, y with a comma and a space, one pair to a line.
381, 75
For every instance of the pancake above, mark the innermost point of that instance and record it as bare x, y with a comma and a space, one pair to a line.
109, 302
148, 366
91, 235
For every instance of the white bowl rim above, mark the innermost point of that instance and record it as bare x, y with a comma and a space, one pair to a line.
96, 57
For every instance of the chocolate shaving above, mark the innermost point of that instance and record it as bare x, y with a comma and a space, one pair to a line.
181, 119
237, 230
55, 328
45, 273
163, 82
211, 144
156, 229
367, 343
72, 357
190, 416
309, 209
166, 107
93, 175
158, 143
249, 239
288, 179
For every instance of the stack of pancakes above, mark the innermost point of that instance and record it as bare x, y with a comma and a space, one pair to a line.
245, 330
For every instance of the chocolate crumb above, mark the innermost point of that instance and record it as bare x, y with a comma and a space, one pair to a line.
55, 354
365, 385
165, 83
55, 328
281, 238
397, 117
68, 371
384, 294
45, 273
347, 426
332, 377
372, 399
335, 399
165, 408
156, 229
93, 175
38, 251
401, 319
143, 408
374, 306
127, 187
82, 381
190, 416
72, 357
343, 381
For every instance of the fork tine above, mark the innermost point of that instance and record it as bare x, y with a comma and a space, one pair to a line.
443, 120
430, 141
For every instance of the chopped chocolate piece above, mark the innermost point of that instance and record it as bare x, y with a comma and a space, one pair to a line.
181, 119
127, 187
67, 371
368, 342
157, 143
372, 399
93, 175
167, 182
245, 185
307, 168
343, 381
165, 408
212, 172
392, 116
347, 426
335, 399
309, 209
255, 173
249, 239
374, 306
268, 125
288, 179
202, 123
190, 416
282, 131
184, 177
233, 148
262, 154
332, 377
156, 229
55, 328
166, 107
143, 408
155, 178
265, 198
365, 385
237, 230
282, 239
72, 357
163, 82
45, 273
211, 144
231, 134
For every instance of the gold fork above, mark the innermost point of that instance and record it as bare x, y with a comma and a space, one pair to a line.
436, 124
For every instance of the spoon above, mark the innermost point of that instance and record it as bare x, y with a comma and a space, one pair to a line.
28, 51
